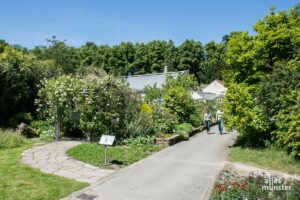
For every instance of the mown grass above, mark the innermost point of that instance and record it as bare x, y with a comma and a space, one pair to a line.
269, 158
122, 155
21, 182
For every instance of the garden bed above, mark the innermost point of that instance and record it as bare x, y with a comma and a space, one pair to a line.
257, 185
118, 156
171, 139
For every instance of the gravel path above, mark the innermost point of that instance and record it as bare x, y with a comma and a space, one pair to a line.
52, 158
185, 171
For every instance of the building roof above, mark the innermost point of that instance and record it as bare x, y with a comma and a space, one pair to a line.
215, 87
139, 82
198, 95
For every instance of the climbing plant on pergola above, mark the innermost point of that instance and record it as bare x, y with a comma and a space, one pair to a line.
104, 102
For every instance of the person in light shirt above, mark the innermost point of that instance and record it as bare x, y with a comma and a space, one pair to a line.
219, 118
207, 119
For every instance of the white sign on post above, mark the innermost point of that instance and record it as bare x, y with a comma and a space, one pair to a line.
107, 139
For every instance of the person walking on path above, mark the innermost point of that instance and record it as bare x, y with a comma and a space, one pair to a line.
219, 118
207, 118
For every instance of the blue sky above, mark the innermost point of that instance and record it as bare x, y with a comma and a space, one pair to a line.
30, 22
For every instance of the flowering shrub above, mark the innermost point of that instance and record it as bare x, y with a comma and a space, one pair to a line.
48, 135
106, 105
55, 98
230, 186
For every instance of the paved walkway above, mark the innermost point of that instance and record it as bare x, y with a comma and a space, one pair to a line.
185, 171
51, 158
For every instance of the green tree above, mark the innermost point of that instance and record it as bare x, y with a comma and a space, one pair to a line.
178, 101
250, 58
153, 93
240, 58
122, 58
187, 81
19, 74
262, 72
3, 44
213, 64
190, 56
66, 58
243, 113
288, 123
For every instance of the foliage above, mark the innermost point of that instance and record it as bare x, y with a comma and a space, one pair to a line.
191, 55
110, 110
183, 130
239, 57
41, 125
105, 103
121, 155
213, 63
55, 98
28, 183
11, 139
65, 58
288, 125
252, 57
179, 102
163, 126
142, 124
184, 127
165, 123
15, 120
19, 74
126, 57
278, 94
152, 93
147, 108
48, 135
263, 72
241, 112
186, 81
196, 118
139, 141
22, 69
275, 86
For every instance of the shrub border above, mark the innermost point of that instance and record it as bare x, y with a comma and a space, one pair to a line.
174, 139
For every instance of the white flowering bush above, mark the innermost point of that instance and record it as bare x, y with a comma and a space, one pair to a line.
105, 103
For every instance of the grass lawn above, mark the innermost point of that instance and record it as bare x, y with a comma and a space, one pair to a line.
125, 155
18, 181
269, 158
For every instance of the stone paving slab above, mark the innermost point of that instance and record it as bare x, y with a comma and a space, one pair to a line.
52, 158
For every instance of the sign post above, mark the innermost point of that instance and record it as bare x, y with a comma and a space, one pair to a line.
106, 140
